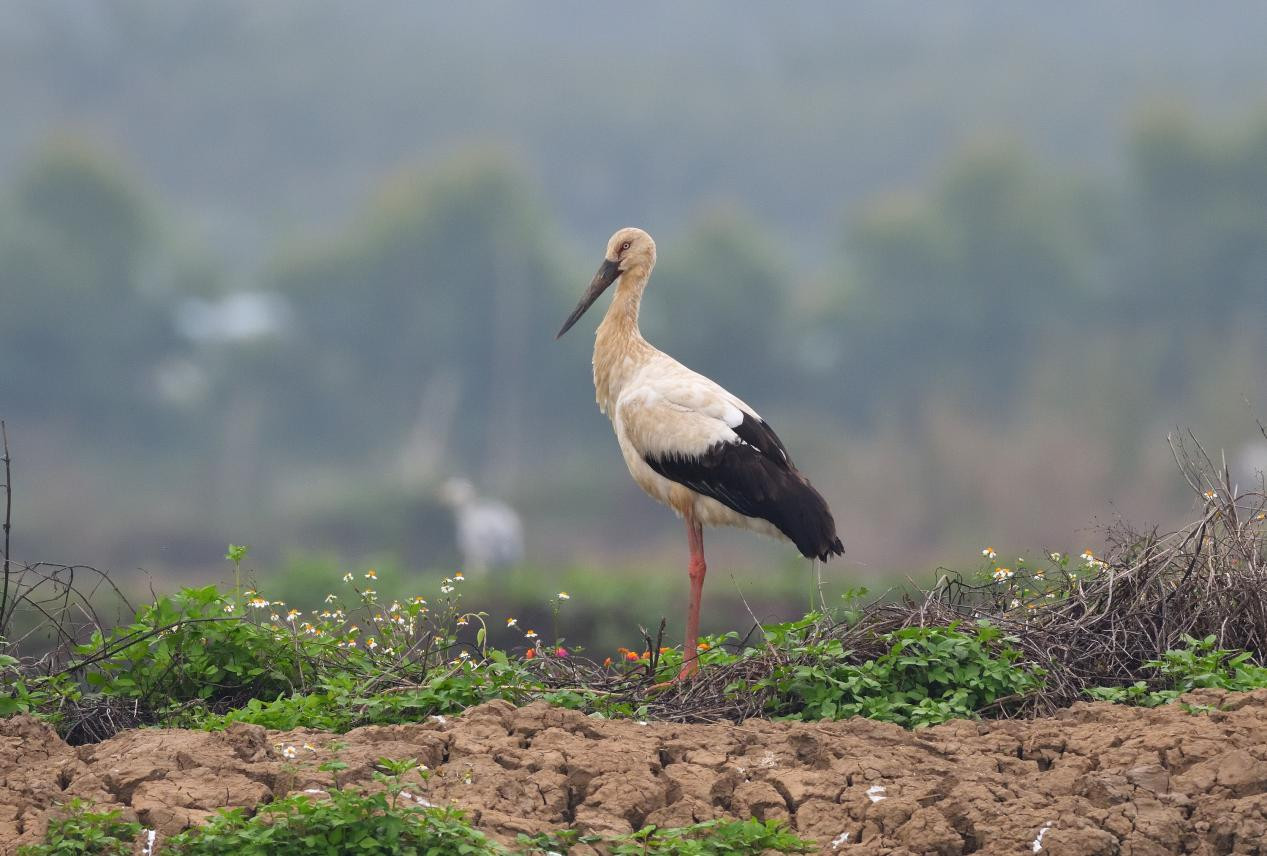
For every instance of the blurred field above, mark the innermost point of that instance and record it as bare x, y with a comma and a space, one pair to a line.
273, 273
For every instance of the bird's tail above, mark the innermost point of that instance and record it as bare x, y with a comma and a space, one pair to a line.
807, 521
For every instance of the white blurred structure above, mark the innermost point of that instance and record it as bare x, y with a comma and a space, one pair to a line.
489, 533
1249, 465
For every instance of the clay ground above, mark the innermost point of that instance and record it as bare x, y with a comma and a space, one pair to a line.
1095, 779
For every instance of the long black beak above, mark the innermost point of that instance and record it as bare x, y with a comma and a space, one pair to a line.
608, 273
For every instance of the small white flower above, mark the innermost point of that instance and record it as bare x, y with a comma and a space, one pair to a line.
458, 577
989, 553
330, 598
1001, 574
511, 622
289, 753
347, 578
371, 574
564, 596
531, 634
446, 589
1056, 557
228, 607
465, 655
1015, 603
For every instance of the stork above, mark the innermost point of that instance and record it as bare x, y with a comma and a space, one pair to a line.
489, 533
688, 442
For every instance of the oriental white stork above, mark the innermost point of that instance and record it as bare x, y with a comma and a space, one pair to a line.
687, 441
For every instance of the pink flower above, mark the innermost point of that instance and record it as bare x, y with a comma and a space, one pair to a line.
560, 651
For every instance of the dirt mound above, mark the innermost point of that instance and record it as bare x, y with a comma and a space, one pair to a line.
1095, 779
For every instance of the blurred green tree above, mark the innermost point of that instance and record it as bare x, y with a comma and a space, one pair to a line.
720, 302
81, 329
954, 290
433, 311
1201, 197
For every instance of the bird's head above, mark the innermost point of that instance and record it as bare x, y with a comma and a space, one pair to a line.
630, 250
456, 492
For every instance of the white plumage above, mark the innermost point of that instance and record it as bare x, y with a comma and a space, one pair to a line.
489, 532
667, 409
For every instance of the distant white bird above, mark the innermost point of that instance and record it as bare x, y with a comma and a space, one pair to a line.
489, 533
688, 442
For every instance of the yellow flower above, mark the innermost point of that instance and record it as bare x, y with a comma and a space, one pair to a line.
511, 622
371, 574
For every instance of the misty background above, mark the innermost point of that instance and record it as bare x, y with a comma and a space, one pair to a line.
271, 273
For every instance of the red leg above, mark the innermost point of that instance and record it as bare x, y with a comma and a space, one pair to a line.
697, 569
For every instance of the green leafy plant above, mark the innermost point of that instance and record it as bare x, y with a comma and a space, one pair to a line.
711, 838
342, 702
191, 647
928, 675
83, 831
1198, 664
390, 822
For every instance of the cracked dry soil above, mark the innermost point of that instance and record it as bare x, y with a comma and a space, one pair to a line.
1094, 779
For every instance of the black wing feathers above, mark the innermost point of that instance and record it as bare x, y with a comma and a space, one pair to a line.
755, 477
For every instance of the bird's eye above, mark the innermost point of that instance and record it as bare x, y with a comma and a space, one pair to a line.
624, 246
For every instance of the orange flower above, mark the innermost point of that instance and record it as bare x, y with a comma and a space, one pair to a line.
631, 656
607, 663
646, 654
530, 653
622, 650
703, 646
664, 650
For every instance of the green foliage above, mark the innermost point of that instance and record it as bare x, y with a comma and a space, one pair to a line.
342, 704
83, 831
191, 646
1196, 665
711, 838
344, 822
928, 675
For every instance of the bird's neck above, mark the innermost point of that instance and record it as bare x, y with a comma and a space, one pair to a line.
619, 349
